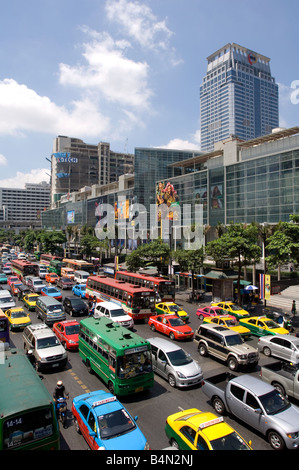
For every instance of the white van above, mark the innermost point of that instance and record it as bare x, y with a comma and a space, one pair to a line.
81, 277
115, 312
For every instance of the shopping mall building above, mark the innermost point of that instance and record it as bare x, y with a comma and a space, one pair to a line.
239, 181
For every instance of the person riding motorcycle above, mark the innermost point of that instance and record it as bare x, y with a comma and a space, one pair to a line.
60, 391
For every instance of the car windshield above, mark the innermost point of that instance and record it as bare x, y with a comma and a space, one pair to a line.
49, 342
271, 324
229, 442
233, 340
38, 283
72, 330
235, 308
5, 300
115, 424
273, 402
230, 322
52, 290
179, 357
117, 313
173, 308
176, 322
18, 314
76, 302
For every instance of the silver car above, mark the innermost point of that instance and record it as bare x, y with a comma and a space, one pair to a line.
171, 362
281, 346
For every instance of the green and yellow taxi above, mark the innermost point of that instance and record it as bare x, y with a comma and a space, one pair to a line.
18, 318
170, 308
228, 321
30, 301
263, 326
232, 309
196, 430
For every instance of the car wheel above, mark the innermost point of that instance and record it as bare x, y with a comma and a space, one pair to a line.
267, 351
171, 336
76, 424
201, 317
279, 388
219, 406
232, 363
174, 444
276, 441
202, 349
171, 380
153, 328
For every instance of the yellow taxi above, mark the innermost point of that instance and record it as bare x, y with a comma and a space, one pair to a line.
263, 326
30, 301
196, 430
228, 321
18, 318
233, 309
170, 308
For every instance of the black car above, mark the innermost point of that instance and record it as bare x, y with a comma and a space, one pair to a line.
75, 306
64, 283
22, 290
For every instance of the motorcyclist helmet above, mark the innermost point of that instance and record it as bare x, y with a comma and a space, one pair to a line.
59, 384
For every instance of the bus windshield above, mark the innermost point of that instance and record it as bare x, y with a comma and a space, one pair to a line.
132, 365
143, 301
27, 427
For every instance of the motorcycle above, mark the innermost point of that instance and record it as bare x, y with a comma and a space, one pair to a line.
61, 409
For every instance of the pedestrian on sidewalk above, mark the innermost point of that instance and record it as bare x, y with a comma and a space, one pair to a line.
294, 311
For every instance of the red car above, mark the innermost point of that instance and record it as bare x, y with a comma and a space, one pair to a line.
52, 278
12, 279
210, 312
67, 332
172, 326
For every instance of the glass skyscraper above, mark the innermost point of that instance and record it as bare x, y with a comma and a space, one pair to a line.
238, 96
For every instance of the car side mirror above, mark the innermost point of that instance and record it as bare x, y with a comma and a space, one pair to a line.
258, 411
92, 434
136, 417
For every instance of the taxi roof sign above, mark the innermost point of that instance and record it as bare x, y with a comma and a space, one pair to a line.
103, 402
211, 422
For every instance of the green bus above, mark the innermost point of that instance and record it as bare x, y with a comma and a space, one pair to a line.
55, 266
122, 359
27, 411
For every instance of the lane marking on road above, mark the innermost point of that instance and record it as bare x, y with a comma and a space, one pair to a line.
79, 382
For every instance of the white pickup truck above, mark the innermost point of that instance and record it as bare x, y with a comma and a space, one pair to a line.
256, 403
284, 376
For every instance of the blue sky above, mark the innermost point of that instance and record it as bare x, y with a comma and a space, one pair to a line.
126, 72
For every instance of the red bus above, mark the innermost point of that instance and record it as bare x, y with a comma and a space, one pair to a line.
138, 302
24, 268
79, 265
163, 287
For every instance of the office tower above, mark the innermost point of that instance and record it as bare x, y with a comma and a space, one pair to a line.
75, 165
238, 96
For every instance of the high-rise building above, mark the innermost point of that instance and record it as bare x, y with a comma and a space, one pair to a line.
238, 96
75, 165
23, 207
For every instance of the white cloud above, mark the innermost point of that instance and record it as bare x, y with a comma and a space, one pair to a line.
34, 176
138, 22
22, 109
109, 73
179, 144
3, 160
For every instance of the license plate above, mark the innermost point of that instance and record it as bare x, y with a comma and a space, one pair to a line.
139, 389
55, 365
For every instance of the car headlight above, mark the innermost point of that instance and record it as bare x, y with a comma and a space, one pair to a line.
182, 376
72, 342
293, 435
243, 356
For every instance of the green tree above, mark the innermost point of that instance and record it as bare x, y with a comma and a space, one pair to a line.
190, 260
238, 243
52, 241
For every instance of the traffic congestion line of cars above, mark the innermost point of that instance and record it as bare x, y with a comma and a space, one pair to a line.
221, 334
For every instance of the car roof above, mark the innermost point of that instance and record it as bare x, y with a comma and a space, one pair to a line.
253, 384
95, 398
162, 343
110, 305
219, 328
